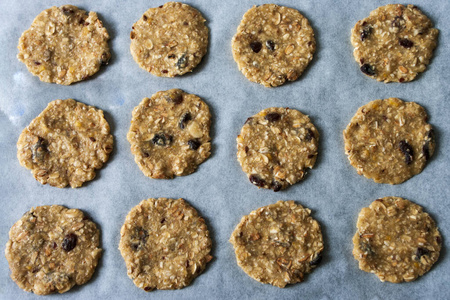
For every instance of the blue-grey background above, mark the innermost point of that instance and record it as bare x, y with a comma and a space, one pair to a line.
330, 91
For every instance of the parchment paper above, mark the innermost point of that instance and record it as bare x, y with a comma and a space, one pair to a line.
330, 91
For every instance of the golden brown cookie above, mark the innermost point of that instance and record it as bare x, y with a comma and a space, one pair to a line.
394, 43
396, 240
64, 45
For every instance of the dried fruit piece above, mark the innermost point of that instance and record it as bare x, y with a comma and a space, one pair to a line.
368, 69
405, 43
316, 259
194, 144
421, 252
69, 242
182, 61
276, 186
162, 139
39, 150
270, 45
407, 150
257, 181
273, 117
365, 33
256, 46
309, 134
185, 118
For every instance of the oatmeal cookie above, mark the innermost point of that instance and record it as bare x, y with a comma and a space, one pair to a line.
273, 44
65, 144
394, 43
389, 140
276, 146
278, 244
396, 240
169, 40
52, 248
64, 45
165, 244
169, 134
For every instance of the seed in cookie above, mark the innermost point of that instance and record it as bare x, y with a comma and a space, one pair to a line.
394, 43
278, 244
165, 244
273, 44
276, 146
51, 249
169, 134
389, 140
65, 144
169, 40
396, 240
64, 45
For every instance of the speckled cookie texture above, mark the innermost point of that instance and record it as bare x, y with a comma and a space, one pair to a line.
52, 248
276, 147
394, 43
278, 244
396, 240
65, 144
64, 45
165, 244
169, 134
389, 140
169, 40
273, 44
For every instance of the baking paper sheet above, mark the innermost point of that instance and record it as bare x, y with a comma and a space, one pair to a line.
330, 92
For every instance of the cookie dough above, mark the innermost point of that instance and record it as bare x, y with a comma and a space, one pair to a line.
389, 140
52, 248
273, 44
169, 134
396, 240
276, 146
65, 144
165, 244
169, 40
394, 43
64, 45
278, 244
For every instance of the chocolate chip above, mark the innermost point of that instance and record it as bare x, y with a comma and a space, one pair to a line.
272, 117
164, 71
39, 150
194, 144
405, 43
256, 46
185, 118
309, 134
257, 181
270, 45
69, 242
182, 62
407, 151
421, 252
365, 33
162, 139
276, 186
367, 69
316, 260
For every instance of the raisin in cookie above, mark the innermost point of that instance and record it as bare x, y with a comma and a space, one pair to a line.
273, 44
389, 140
396, 240
165, 244
169, 134
276, 146
52, 248
65, 144
169, 40
64, 45
394, 43
278, 244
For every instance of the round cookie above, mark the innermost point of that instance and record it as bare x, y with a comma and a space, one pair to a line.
64, 45
65, 144
278, 243
273, 44
394, 43
169, 40
165, 244
389, 140
169, 134
396, 240
51, 249
276, 146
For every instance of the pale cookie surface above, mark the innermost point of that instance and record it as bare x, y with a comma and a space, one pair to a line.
273, 44
278, 244
165, 244
396, 240
65, 144
169, 134
394, 43
64, 45
276, 147
52, 248
169, 40
389, 140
